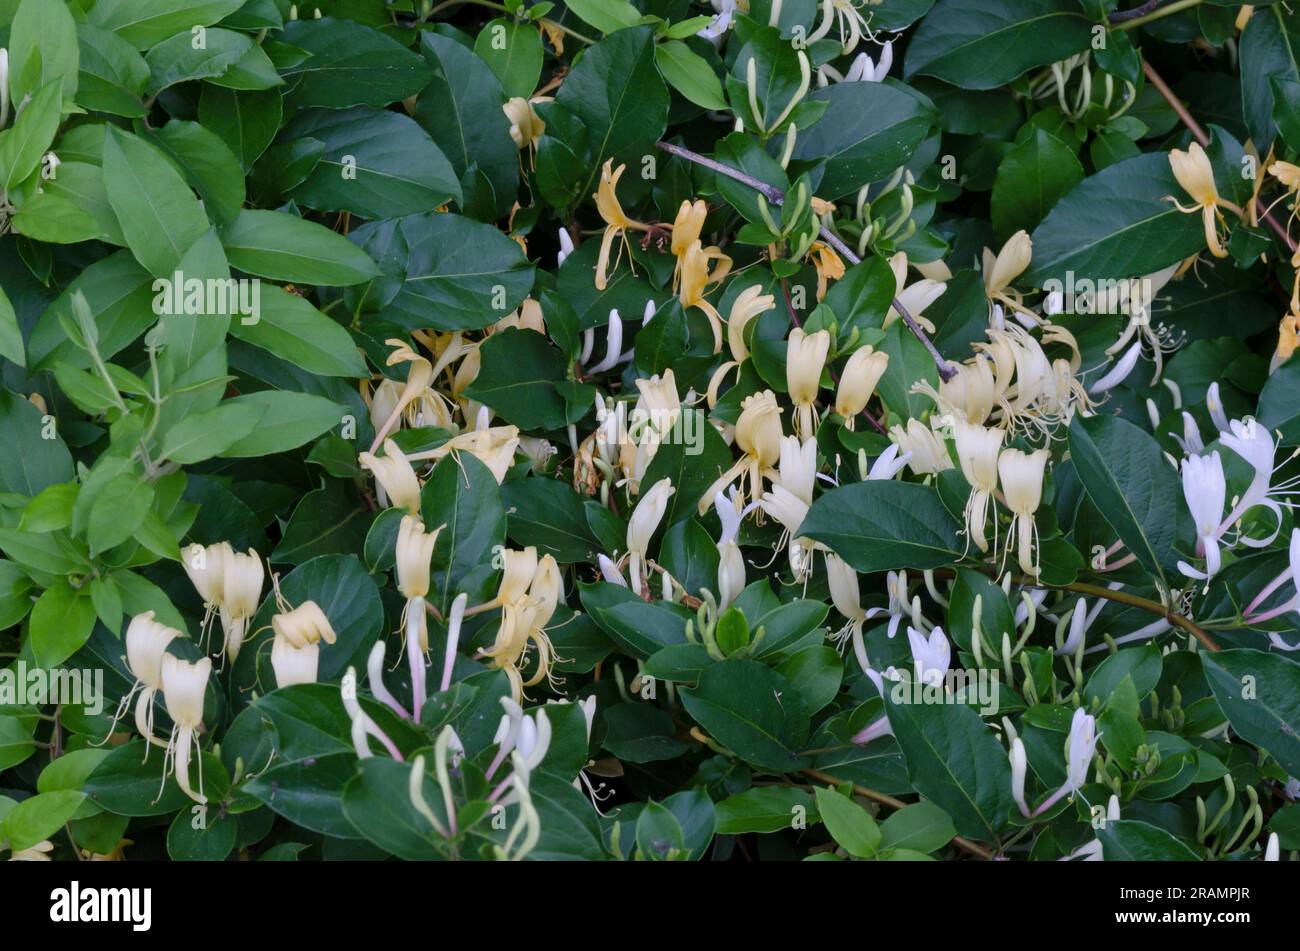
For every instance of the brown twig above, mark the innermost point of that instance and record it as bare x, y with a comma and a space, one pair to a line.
966, 845
777, 197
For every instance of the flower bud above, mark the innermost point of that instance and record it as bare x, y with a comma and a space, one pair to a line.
805, 357
394, 476
758, 429
1009, 264
647, 515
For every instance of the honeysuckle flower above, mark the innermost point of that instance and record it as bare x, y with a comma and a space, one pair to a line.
1080, 746
203, 565
419, 374
971, 394
977, 453
731, 563
827, 264
528, 596
1288, 333
1253, 442
843, 583
527, 830
363, 725
184, 685
526, 126
1205, 489
686, 231
414, 553
40, 852
293, 664
858, 381
758, 434
914, 297
617, 223
851, 23
930, 654
1019, 771
1092, 850
887, 465
925, 450
494, 447
4, 87
1214, 406
566, 246
610, 571
1079, 621
305, 624
1273, 850
1291, 573
699, 275
613, 345
720, 23
645, 519
1002, 269
146, 645
751, 302
791, 496
805, 358
395, 479
1195, 174
241, 593
1119, 372
862, 70
1021, 474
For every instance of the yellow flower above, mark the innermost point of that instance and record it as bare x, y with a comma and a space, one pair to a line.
758, 434
617, 223
805, 358
697, 279
1287, 340
414, 553
1002, 269
828, 264
526, 126
1196, 176
686, 231
751, 302
395, 479
858, 381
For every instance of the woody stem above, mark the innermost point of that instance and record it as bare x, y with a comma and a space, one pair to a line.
776, 197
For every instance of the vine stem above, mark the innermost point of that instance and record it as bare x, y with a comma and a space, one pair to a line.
1200, 136
775, 196
1122, 597
1132, 19
966, 845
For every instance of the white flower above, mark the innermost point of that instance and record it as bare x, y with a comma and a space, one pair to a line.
566, 246
413, 556
925, 449
241, 592
931, 655
1080, 747
1120, 371
977, 452
1273, 851
805, 358
1019, 770
294, 665
395, 480
204, 566
1204, 488
731, 563
647, 515
1214, 406
184, 685
1022, 487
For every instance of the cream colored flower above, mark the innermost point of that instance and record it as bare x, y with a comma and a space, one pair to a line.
617, 223
184, 685
977, 453
805, 358
1196, 176
697, 279
414, 553
858, 381
928, 454
395, 479
241, 585
1022, 488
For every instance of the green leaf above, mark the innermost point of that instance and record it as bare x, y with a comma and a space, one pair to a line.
292, 329
35, 819
753, 711
42, 49
608, 16
245, 121
178, 59
377, 164
112, 74
909, 363
766, 809
616, 92
920, 826
350, 65
981, 44
16, 744
61, 622
690, 74
204, 836
289, 420
513, 52
211, 432
210, 167
458, 274
868, 131
282, 247
1117, 224
550, 515
954, 760
30, 462
1129, 840
378, 805
517, 379
1033, 176
22, 146
849, 824
1125, 474
461, 110
145, 23
463, 495
1279, 403
159, 215
1259, 693
11, 336
883, 525
1269, 51
118, 510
